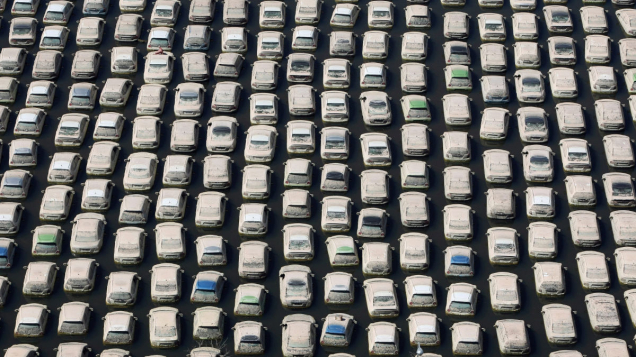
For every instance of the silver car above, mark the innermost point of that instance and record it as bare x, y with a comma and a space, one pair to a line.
500, 203
609, 115
128, 28
336, 214
626, 18
8, 90
380, 15
558, 19
90, 31
558, 320
494, 124
256, 182
165, 327
103, 158
264, 75
533, 124
457, 52
529, 85
123, 60
250, 300
195, 67
119, 328
542, 240
570, 118
525, 26
335, 178
376, 108
627, 48
458, 222
575, 155
29, 122
229, 65
538, 165
171, 204
495, 89
116, 92
130, 243
165, 285
146, 133
263, 108
512, 336
298, 240
334, 143
253, 260
88, 233
593, 19
270, 45
549, 279
414, 46
456, 25
296, 287
467, 338
619, 189
54, 38
459, 261
159, 68
12, 61
504, 292
456, 147
210, 210
305, 38
414, 211
31, 321
593, 270
235, 12
527, 54
300, 67
612, 346
23, 153
226, 97
414, 251
222, 134
375, 45
253, 219
413, 77
249, 337
336, 73
141, 169
197, 37
458, 184
82, 96
208, 325
381, 298
122, 287
272, 14
335, 106
603, 313
342, 44
493, 57
39, 280
134, 209
374, 186
177, 170
23, 31
562, 50
151, 99
308, 11
261, 144
165, 13
461, 299
598, 49
420, 291
602, 80
625, 265
623, 222
184, 136
540, 202
492, 27
296, 203
160, 37
234, 39
56, 203
217, 172
342, 252
41, 94
563, 83
376, 149
47, 65
580, 190
301, 137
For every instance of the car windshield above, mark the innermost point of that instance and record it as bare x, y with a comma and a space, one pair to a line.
304, 41
264, 76
156, 42
203, 10
375, 44
419, 20
127, 27
299, 244
54, 15
53, 205
163, 12
383, 300
342, 18
533, 123
226, 96
22, 6
378, 107
415, 45
372, 79
86, 236
155, 67
413, 180
545, 243
460, 306
272, 14
596, 273
296, 288
100, 159
531, 84
189, 97
560, 16
165, 331
150, 99
51, 41
132, 216
622, 189
563, 49
506, 295
139, 172
270, 45
539, 162
493, 26
562, 327
146, 132
21, 29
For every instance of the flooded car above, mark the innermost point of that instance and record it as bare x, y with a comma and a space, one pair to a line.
74, 319
504, 292
420, 291
339, 288
208, 324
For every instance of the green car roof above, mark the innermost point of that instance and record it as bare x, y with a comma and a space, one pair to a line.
345, 250
459, 72
249, 299
634, 76
46, 238
418, 104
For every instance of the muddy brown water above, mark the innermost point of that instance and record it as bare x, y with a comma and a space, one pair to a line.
274, 312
